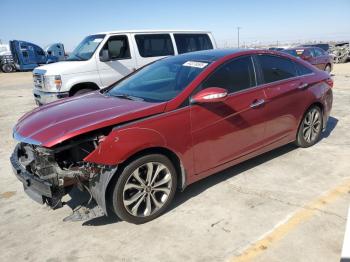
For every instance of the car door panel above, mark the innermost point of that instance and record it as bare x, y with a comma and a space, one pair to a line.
283, 99
285, 96
113, 70
322, 58
224, 131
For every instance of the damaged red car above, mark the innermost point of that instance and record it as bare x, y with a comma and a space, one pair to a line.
168, 125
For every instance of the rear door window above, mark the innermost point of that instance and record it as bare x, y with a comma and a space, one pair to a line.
302, 70
311, 52
192, 42
152, 45
233, 76
319, 52
276, 68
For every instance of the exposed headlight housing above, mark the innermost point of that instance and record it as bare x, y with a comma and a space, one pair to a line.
52, 83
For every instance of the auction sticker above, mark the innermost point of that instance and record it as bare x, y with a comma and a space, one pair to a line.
299, 51
195, 64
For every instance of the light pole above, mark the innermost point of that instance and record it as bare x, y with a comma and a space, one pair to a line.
238, 28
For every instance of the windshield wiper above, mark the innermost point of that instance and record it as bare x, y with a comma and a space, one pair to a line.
125, 96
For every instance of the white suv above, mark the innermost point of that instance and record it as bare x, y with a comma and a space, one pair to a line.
104, 58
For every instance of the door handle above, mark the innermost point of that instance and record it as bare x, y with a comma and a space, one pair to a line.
303, 86
257, 103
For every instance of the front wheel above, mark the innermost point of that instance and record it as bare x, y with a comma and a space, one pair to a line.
7, 68
310, 128
144, 189
82, 91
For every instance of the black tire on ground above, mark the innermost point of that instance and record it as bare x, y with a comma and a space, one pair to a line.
310, 128
126, 174
343, 59
7, 68
82, 91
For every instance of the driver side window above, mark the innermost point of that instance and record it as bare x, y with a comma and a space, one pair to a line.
118, 47
234, 76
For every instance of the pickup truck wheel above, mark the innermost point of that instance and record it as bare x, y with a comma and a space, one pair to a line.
144, 189
310, 128
7, 68
82, 91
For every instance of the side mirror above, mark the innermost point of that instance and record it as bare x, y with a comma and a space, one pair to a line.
210, 95
104, 55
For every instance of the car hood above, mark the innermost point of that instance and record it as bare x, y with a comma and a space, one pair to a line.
56, 122
65, 68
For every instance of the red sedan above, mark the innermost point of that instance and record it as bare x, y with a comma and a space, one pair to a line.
171, 123
314, 55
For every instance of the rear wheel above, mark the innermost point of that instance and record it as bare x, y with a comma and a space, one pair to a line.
310, 128
144, 189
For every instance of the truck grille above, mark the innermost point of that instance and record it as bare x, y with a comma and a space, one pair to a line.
38, 80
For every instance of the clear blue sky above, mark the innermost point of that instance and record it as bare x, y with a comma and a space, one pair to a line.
45, 22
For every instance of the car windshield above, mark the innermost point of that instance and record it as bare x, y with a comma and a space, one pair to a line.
160, 81
86, 48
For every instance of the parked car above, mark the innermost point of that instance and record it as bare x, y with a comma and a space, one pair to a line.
276, 48
101, 59
168, 125
314, 55
325, 47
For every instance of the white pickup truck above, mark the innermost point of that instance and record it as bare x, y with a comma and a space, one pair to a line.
104, 58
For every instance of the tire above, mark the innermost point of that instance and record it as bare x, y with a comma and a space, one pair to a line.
138, 198
343, 59
7, 68
82, 91
328, 69
310, 128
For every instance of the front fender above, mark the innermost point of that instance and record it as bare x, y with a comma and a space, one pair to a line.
120, 144
70, 80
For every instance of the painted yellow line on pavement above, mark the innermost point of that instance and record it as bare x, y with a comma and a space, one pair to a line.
281, 230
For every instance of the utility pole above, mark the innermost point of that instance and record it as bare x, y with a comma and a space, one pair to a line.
238, 28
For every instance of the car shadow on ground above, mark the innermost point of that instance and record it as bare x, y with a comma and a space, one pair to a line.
331, 124
78, 197
202, 185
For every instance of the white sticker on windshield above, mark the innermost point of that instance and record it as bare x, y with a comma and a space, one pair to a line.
97, 40
195, 64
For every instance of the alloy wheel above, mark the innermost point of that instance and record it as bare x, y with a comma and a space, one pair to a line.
147, 189
312, 125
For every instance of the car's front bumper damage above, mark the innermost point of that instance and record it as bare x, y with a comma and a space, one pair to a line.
38, 189
47, 174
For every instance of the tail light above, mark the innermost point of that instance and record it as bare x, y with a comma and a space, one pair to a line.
330, 82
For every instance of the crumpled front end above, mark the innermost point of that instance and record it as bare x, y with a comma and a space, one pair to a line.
47, 174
